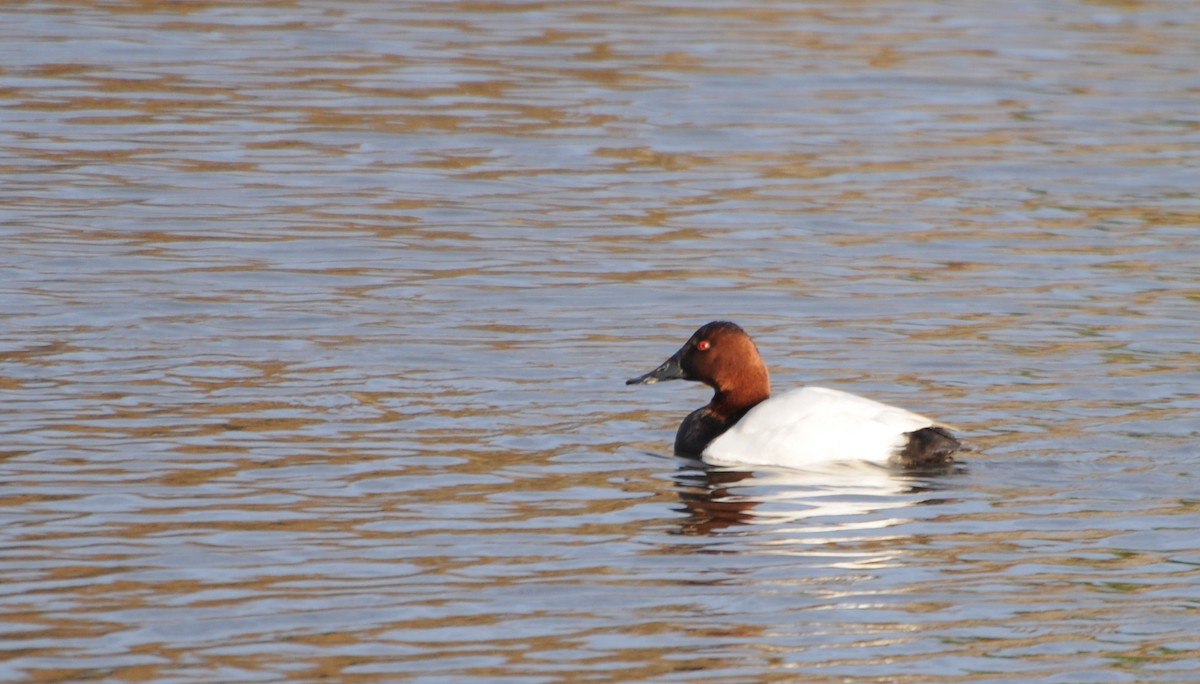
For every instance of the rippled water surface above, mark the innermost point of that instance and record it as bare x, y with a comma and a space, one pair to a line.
315, 316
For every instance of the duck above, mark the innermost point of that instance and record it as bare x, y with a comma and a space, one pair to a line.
744, 424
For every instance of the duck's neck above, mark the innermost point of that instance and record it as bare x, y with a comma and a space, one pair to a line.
738, 395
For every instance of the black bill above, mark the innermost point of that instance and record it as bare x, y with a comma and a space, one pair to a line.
669, 370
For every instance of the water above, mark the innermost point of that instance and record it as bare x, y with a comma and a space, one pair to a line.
314, 321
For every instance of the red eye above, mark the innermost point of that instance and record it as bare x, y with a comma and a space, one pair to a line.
703, 345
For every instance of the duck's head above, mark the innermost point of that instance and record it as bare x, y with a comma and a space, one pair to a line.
719, 354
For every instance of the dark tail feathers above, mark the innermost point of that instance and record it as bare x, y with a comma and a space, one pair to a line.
929, 446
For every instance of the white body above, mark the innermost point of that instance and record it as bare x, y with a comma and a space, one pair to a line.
815, 425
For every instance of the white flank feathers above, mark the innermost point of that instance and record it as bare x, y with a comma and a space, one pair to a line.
814, 425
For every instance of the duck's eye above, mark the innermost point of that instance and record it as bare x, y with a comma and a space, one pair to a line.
703, 345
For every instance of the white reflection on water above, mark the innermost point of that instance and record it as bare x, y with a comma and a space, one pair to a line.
852, 493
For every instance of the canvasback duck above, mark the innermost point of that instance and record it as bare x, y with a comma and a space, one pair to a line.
744, 424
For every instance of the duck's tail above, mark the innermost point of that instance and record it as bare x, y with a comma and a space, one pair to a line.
933, 445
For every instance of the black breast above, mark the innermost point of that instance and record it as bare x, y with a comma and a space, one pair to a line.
697, 430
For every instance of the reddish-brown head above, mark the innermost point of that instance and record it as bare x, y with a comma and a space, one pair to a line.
722, 356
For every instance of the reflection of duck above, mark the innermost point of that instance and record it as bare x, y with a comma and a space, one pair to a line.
706, 496
744, 424
717, 498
